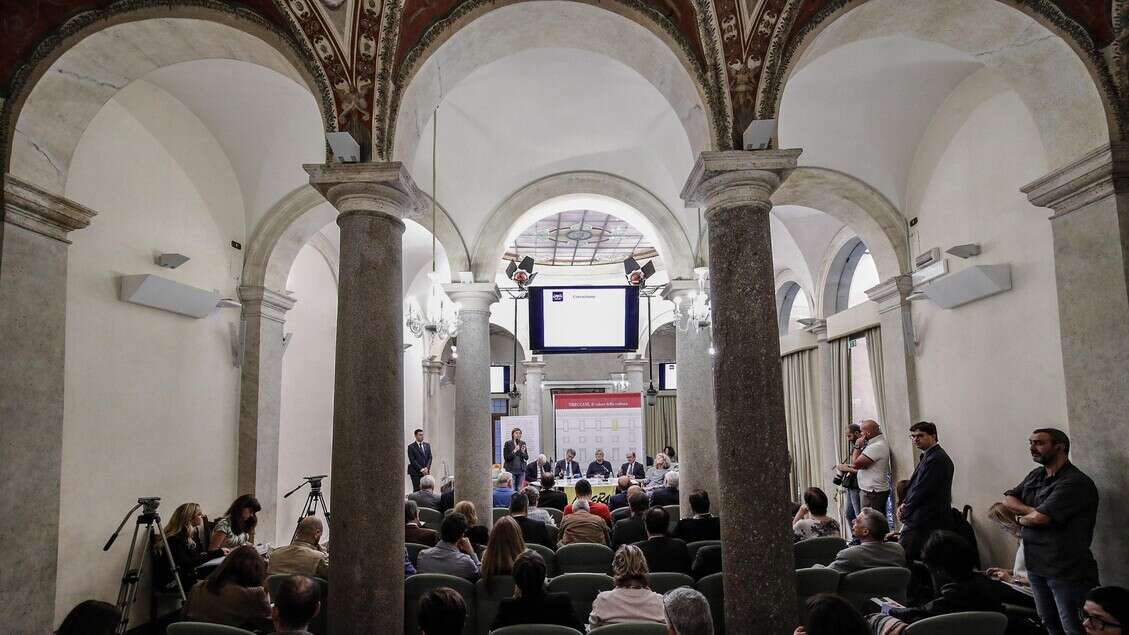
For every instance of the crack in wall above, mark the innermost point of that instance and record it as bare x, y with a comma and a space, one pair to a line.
55, 166
89, 80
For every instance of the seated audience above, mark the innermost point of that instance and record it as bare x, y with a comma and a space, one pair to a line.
687, 613
441, 612
1106, 611
453, 554
619, 499
533, 531
668, 493
1017, 575
426, 496
446, 495
538, 468
632, 599
91, 617
504, 547
409, 568
633, 469
233, 595
702, 525
670, 455
304, 555
584, 492
296, 602
414, 531
184, 532
869, 528
657, 473
663, 553
600, 468
476, 533
706, 562
503, 490
530, 603
237, 526
631, 530
812, 521
830, 614
951, 562
535, 511
551, 497
583, 526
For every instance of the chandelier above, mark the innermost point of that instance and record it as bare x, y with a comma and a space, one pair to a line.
438, 319
696, 312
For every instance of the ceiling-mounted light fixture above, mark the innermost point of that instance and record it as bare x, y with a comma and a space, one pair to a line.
651, 394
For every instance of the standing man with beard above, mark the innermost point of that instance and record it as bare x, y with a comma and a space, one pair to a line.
1057, 506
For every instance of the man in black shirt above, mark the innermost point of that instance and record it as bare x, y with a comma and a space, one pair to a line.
631, 530
1057, 506
549, 496
929, 496
703, 525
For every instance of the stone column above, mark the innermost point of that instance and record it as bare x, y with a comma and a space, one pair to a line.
830, 434
899, 371
697, 432
368, 459
260, 405
734, 187
534, 375
636, 370
1090, 228
473, 430
440, 433
33, 312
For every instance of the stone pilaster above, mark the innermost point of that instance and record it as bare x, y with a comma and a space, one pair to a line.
830, 434
440, 432
734, 187
697, 431
636, 370
899, 372
33, 312
260, 404
1090, 229
534, 375
368, 459
473, 430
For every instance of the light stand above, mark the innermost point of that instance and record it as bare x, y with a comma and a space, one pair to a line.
127, 591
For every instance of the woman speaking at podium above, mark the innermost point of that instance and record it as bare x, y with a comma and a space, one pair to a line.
515, 454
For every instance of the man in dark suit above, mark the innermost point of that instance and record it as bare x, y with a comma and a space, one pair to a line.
419, 459
536, 469
600, 468
413, 529
549, 496
631, 530
704, 525
663, 553
531, 530
568, 467
619, 499
668, 493
633, 468
929, 496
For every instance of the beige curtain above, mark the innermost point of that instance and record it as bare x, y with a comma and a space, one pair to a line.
841, 387
661, 424
877, 377
800, 414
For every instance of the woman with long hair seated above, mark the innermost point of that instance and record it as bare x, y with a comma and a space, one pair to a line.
530, 603
184, 532
233, 595
503, 548
632, 599
237, 526
475, 533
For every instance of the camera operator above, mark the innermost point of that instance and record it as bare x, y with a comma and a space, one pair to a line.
847, 477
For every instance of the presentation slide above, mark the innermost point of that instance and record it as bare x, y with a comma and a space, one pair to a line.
612, 422
584, 318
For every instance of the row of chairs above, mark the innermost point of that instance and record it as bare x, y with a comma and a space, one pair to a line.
580, 557
433, 518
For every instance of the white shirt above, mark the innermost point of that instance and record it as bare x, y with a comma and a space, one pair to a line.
874, 478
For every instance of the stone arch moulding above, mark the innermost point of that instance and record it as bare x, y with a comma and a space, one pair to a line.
449, 52
297, 218
222, 31
942, 23
673, 244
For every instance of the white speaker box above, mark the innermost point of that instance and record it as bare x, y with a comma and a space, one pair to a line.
161, 293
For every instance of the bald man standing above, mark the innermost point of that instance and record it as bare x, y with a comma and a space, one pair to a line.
871, 458
304, 555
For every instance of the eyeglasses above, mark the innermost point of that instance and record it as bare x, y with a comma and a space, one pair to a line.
1096, 622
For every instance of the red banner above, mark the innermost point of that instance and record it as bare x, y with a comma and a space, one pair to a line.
597, 400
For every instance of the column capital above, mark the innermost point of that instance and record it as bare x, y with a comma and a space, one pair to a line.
818, 328
261, 302
1099, 174
635, 363
433, 366
368, 188
473, 296
42, 212
737, 177
680, 290
892, 293
533, 367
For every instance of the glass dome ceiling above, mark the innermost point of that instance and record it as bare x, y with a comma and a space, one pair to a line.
580, 238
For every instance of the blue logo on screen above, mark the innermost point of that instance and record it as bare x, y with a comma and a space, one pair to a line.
558, 296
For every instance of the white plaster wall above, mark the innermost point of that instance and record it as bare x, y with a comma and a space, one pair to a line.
306, 415
151, 397
991, 371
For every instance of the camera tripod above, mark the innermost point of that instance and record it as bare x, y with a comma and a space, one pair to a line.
127, 592
313, 500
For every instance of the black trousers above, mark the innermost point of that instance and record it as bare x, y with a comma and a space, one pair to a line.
913, 540
415, 481
875, 500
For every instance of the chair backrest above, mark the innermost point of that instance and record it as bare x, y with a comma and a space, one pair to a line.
711, 561
693, 547
631, 628
553, 532
416, 586
413, 551
813, 551
674, 512
557, 514
711, 587
534, 629
662, 582
860, 586
813, 581
582, 589
548, 555
200, 628
430, 517
620, 513
969, 623
498, 513
488, 595
584, 557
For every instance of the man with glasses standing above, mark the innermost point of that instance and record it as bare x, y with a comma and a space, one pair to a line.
1057, 506
929, 496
